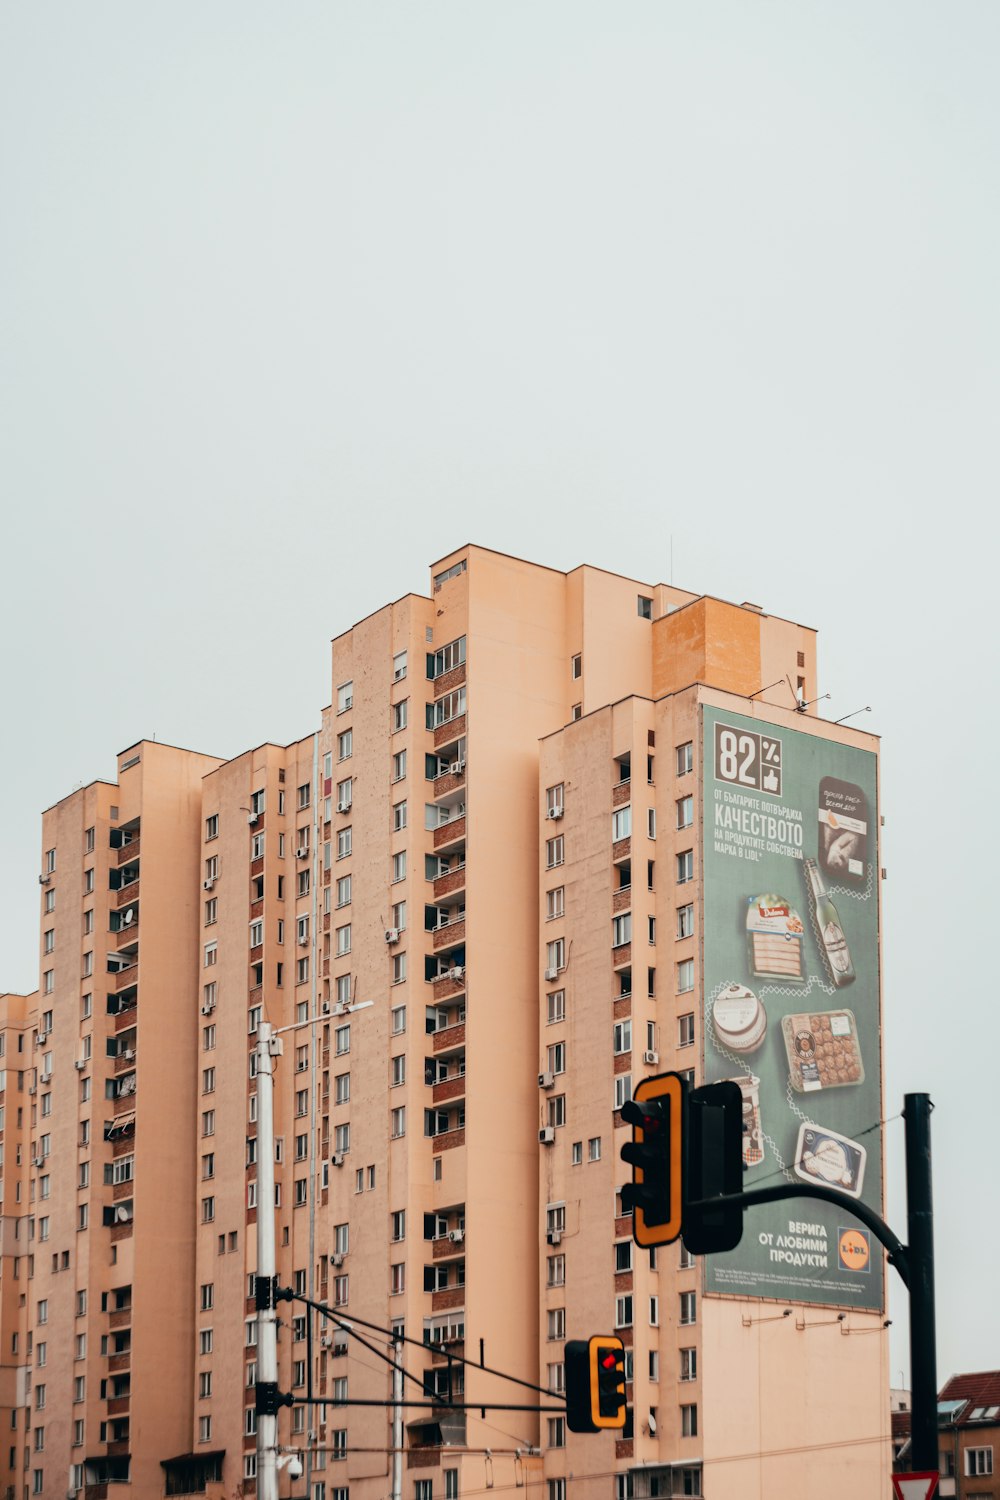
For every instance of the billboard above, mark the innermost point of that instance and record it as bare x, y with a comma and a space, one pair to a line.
791, 998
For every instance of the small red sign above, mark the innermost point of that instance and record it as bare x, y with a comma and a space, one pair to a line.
919, 1486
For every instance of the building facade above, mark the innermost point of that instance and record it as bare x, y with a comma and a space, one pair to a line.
460, 899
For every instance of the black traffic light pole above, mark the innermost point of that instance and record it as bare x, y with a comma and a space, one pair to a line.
914, 1262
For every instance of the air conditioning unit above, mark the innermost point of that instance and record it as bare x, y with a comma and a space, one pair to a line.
45, 1078
554, 1237
326, 1340
302, 853
252, 819
546, 1080
38, 1161
650, 1057
208, 885
456, 972
128, 1054
44, 879
80, 1064
337, 1159
551, 974
207, 1010
303, 941
337, 1260
553, 813
456, 1236
392, 934
32, 1089
546, 1135
457, 767
343, 806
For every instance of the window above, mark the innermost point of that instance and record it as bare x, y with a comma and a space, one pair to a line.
446, 659
623, 1257
211, 954
49, 941
257, 846
556, 1112
555, 1270
685, 758
399, 867
555, 1057
302, 971
688, 1307
685, 921
448, 707
555, 903
211, 911
623, 1311
398, 968
345, 744
398, 816
399, 765
557, 1489
685, 1030
689, 1364
623, 1089
689, 1421
554, 801
256, 934
654, 1312
49, 981
978, 1461
345, 697
576, 1154
555, 958
343, 940
342, 1040
622, 1037
685, 976
342, 1088
212, 827
685, 812
556, 1323
555, 1218
621, 823
397, 1070
594, 1148
398, 1018
621, 930
651, 822
685, 867
644, 607
555, 1006
344, 842
397, 1122
576, 667
399, 715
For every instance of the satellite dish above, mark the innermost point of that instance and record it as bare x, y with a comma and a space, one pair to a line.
129, 917
121, 1214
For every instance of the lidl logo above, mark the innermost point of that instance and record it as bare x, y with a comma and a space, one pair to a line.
854, 1249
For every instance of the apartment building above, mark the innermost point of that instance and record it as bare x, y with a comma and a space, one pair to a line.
473, 903
18, 1034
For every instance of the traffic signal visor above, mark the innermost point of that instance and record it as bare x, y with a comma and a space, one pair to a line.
607, 1381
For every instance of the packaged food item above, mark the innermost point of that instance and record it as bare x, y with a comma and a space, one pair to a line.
774, 939
753, 1137
834, 1160
829, 933
738, 1019
823, 1050
843, 831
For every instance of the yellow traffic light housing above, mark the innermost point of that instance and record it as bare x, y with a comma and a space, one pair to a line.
655, 1153
595, 1384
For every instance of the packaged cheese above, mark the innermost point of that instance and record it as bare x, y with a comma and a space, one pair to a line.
774, 939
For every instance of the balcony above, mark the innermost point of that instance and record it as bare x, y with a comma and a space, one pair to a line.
117, 1363
449, 681
621, 899
621, 957
449, 934
621, 793
128, 852
449, 835
450, 883
450, 782
448, 1088
451, 982
454, 729
449, 1037
128, 891
448, 1140
125, 978
446, 1248
444, 1301
621, 850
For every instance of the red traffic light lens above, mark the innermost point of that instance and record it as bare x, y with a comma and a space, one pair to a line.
609, 1362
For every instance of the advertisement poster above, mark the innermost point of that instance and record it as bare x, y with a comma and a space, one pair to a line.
791, 997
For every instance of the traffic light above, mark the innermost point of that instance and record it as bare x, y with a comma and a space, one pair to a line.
595, 1383
713, 1167
686, 1148
655, 1195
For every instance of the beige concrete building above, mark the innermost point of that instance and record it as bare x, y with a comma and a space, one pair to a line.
447, 1127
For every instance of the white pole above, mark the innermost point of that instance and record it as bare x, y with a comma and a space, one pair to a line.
268, 1047
397, 1420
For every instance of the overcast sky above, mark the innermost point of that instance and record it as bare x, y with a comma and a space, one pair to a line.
296, 298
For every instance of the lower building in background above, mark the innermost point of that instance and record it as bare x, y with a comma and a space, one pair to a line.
548, 837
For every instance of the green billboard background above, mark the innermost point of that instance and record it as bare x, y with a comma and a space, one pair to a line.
805, 1048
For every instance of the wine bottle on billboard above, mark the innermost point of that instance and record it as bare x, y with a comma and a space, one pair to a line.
829, 932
